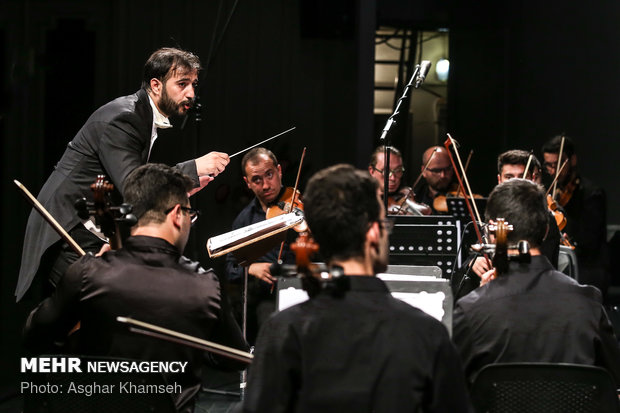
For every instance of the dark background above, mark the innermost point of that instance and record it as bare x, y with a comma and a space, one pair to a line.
520, 73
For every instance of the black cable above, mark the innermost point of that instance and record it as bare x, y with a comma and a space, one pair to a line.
387, 37
458, 250
465, 277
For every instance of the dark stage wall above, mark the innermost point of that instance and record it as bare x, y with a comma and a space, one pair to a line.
518, 76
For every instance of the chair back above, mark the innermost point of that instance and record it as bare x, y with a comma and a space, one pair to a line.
544, 388
88, 392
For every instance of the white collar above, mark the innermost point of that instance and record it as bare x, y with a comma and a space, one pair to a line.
159, 120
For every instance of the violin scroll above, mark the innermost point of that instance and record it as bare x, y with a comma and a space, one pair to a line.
108, 217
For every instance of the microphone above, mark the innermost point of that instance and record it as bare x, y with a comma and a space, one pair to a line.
425, 66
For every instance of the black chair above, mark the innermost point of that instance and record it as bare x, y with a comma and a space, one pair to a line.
86, 400
544, 388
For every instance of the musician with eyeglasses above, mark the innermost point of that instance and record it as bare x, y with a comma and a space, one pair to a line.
437, 174
585, 207
401, 198
148, 279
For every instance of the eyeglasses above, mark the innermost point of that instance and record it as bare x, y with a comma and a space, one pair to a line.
437, 171
193, 213
387, 224
397, 172
550, 165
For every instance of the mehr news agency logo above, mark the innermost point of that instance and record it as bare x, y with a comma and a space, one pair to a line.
75, 365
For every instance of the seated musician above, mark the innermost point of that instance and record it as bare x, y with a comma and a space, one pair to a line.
438, 177
531, 313
355, 348
263, 175
585, 206
149, 280
400, 197
510, 164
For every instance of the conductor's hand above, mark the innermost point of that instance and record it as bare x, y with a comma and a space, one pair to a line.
204, 181
212, 164
260, 270
481, 266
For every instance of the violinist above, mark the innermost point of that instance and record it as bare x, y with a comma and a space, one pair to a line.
360, 350
438, 176
263, 175
584, 205
510, 164
149, 279
531, 312
400, 197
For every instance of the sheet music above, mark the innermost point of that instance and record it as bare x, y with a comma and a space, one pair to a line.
217, 243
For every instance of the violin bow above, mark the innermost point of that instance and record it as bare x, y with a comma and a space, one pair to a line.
527, 165
49, 218
557, 170
471, 152
469, 191
556, 178
301, 161
450, 141
141, 327
430, 158
428, 162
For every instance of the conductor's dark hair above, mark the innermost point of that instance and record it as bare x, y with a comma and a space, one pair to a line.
252, 157
553, 146
340, 205
517, 157
154, 188
167, 62
522, 204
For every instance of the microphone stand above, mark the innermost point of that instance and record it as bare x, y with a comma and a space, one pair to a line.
417, 78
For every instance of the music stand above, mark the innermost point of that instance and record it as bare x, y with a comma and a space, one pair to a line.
430, 294
425, 241
458, 208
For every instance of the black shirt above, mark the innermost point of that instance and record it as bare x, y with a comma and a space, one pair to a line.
364, 351
150, 281
534, 314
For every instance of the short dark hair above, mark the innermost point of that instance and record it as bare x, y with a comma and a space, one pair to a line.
522, 204
165, 62
553, 146
253, 155
381, 149
153, 188
340, 204
516, 157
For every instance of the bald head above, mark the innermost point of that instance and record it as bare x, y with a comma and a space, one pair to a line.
437, 150
438, 174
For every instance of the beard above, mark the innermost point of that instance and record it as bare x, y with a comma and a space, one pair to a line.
169, 107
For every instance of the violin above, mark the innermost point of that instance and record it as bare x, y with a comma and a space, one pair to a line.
560, 219
289, 201
106, 216
403, 203
564, 195
500, 250
440, 203
314, 277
